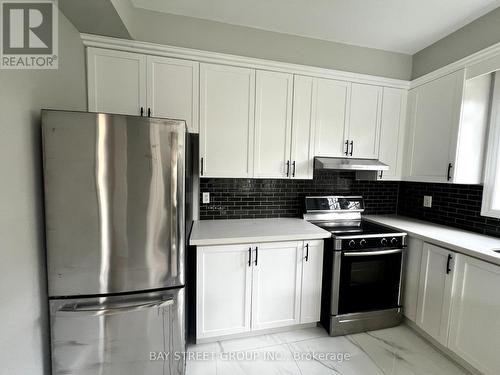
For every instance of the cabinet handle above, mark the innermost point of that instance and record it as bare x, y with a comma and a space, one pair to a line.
381, 174
293, 169
142, 111
256, 255
288, 168
307, 253
449, 171
346, 148
448, 268
249, 257
149, 112
352, 148
201, 168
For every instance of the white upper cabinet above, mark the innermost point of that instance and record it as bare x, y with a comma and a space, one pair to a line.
475, 326
433, 127
302, 149
447, 127
273, 124
435, 291
276, 285
136, 84
392, 132
227, 96
116, 81
173, 89
364, 121
330, 100
312, 271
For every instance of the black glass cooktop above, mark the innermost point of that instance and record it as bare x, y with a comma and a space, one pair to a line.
355, 227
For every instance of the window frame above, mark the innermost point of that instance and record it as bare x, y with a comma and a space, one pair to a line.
492, 162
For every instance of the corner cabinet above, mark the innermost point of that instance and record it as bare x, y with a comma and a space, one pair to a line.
413, 262
475, 318
458, 305
252, 287
447, 127
434, 297
227, 98
135, 84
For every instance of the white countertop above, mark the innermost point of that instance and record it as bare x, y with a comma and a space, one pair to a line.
462, 241
221, 232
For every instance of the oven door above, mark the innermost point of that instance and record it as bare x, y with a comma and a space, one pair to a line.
370, 280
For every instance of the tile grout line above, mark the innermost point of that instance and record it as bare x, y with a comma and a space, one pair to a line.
294, 360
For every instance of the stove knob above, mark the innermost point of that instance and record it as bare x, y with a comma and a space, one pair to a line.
394, 241
352, 244
362, 243
384, 241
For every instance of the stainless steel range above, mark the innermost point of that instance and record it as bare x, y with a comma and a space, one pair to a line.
362, 272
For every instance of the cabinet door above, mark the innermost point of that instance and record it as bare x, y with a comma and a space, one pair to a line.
475, 322
116, 81
434, 123
312, 272
273, 124
413, 264
223, 290
227, 96
276, 285
331, 98
173, 89
364, 121
434, 297
302, 155
392, 126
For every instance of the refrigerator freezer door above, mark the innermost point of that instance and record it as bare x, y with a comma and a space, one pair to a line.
114, 202
122, 335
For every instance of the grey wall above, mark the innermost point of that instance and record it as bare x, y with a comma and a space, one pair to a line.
477, 35
23, 304
207, 35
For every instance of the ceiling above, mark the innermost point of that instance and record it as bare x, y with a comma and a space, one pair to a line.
405, 26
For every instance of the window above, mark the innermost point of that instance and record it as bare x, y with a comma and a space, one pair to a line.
491, 194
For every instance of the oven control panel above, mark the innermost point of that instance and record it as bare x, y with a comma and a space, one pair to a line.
361, 243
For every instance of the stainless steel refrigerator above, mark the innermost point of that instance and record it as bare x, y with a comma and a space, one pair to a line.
115, 192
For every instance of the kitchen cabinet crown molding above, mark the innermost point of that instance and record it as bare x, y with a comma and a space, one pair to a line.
99, 41
479, 63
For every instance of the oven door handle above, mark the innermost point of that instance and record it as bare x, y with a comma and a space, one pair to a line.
365, 253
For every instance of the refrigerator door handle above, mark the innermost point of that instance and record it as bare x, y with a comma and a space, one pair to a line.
108, 309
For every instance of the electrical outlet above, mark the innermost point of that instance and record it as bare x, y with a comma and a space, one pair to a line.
428, 201
206, 197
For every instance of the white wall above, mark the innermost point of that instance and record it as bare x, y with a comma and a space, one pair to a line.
189, 32
23, 302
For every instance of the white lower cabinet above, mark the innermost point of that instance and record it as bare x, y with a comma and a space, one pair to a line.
412, 277
434, 297
458, 304
249, 287
223, 290
475, 318
276, 285
312, 273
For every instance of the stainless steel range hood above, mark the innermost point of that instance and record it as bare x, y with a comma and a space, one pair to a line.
350, 164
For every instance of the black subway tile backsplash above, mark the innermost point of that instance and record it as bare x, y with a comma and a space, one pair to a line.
264, 198
453, 205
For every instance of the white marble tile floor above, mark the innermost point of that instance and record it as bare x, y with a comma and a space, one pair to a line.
392, 351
